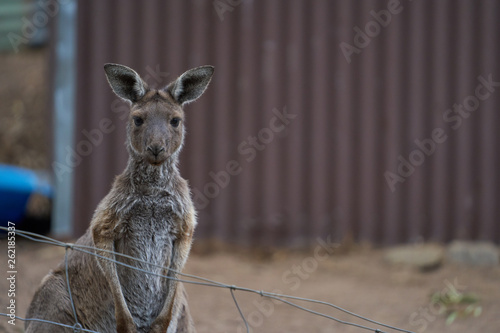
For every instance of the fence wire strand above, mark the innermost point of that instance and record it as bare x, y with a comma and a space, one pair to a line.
239, 310
77, 327
69, 287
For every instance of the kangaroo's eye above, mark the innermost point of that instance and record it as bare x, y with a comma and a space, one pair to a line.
175, 122
138, 121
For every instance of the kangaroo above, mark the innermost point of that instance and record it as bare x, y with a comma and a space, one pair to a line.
148, 214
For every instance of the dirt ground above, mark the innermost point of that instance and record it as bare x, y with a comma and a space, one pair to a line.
359, 281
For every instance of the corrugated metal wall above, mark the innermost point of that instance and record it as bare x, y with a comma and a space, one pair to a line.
324, 171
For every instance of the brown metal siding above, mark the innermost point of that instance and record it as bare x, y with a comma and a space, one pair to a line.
324, 173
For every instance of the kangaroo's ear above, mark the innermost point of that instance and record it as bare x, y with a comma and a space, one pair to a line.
125, 82
190, 85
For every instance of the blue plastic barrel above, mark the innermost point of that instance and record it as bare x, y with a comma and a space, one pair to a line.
16, 186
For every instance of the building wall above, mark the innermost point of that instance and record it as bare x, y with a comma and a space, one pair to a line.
359, 101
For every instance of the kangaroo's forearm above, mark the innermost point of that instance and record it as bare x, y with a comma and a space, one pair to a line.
103, 239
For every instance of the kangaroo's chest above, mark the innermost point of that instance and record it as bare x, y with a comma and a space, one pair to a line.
147, 231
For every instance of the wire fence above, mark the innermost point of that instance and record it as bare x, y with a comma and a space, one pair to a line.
191, 279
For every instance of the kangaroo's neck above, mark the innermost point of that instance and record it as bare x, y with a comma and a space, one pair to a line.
143, 175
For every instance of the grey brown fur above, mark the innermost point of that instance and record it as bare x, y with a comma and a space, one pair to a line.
148, 214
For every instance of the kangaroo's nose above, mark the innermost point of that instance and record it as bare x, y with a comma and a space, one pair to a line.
155, 150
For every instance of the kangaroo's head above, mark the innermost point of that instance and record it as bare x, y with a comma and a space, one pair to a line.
155, 129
